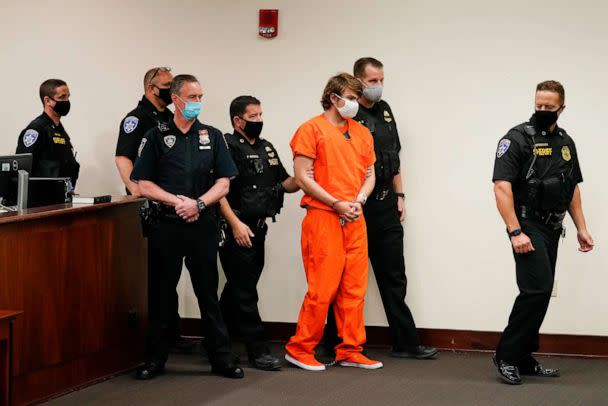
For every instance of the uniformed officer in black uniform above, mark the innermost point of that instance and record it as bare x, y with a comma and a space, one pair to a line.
185, 169
45, 137
255, 195
151, 112
536, 176
384, 211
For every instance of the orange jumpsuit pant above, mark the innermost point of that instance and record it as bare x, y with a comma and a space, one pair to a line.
335, 262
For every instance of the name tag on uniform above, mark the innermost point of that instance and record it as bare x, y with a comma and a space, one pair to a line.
204, 147
59, 140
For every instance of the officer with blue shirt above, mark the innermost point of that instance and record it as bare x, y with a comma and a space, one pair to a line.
45, 137
185, 169
536, 177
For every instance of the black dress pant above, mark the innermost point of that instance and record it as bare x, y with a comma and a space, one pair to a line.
535, 275
169, 243
239, 300
175, 326
385, 246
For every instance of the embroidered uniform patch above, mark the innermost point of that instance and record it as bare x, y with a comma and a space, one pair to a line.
130, 124
503, 146
30, 137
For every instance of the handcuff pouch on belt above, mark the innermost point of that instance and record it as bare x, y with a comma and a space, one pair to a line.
261, 201
546, 200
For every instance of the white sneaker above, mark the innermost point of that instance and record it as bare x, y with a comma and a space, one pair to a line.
308, 367
361, 361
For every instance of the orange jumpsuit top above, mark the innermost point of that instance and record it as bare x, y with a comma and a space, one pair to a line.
340, 164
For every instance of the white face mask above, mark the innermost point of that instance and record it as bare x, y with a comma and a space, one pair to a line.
373, 93
350, 108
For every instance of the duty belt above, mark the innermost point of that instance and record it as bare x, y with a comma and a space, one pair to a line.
167, 212
255, 222
251, 221
550, 218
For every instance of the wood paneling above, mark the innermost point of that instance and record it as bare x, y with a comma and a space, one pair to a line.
7, 318
77, 272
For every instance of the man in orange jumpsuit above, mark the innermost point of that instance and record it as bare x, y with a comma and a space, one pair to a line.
340, 153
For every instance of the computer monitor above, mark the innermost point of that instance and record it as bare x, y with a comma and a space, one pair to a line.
9, 169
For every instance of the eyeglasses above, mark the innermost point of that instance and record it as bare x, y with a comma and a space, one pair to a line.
160, 69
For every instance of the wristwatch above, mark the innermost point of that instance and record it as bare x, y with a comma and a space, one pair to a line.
514, 233
399, 194
201, 205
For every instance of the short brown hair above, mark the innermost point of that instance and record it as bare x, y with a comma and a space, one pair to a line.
553, 86
361, 64
179, 80
48, 87
240, 104
338, 84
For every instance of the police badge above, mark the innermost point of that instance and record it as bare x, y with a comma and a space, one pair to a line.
203, 137
387, 117
169, 140
566, 153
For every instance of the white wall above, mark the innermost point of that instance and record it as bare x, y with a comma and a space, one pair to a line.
459, 75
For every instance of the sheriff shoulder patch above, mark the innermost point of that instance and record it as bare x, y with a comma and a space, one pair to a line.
130, 124
30, 137
503, 146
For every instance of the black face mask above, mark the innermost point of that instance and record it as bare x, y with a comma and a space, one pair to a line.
62, 107
253, 129
545, 119
165, 95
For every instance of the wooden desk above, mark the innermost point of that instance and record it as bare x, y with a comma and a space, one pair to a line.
7, 318
80, 276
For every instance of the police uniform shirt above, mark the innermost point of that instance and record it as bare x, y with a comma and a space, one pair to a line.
555, 155
136, 124
250, 159
53, 153
380, 121
185, 164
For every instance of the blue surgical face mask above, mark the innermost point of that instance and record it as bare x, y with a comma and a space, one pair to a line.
191, 109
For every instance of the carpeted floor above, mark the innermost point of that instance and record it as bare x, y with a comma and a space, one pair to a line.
452, 379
